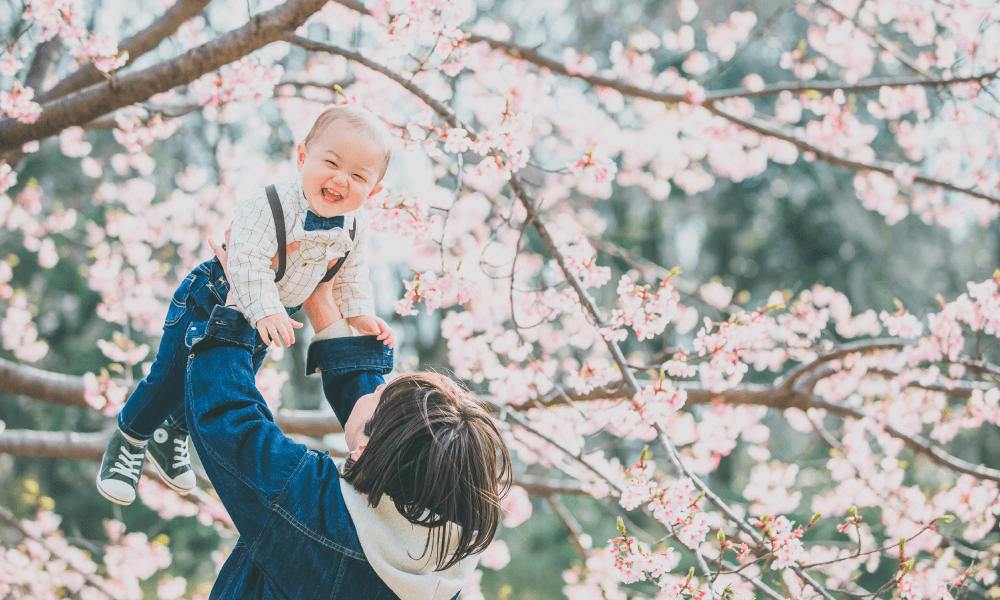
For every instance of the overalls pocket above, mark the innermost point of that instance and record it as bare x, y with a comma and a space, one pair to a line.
179, 301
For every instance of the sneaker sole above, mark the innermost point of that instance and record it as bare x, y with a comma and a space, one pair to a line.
108, 496
166, 480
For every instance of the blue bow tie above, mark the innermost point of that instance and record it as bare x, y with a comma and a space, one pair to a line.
314, 221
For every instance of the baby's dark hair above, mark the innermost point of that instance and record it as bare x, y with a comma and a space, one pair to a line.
436, 451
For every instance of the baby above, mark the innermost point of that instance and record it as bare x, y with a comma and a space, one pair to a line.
287, 242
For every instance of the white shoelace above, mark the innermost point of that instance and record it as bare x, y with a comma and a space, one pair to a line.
181, 456
128, 464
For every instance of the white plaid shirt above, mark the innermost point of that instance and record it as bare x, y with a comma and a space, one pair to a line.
253, 243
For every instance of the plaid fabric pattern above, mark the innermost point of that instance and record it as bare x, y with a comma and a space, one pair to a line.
252, 245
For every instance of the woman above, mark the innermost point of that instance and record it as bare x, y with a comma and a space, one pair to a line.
414, 505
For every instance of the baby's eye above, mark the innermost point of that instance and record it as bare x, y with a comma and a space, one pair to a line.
359, 177
331, 163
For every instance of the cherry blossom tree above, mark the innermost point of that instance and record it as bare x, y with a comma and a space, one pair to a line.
615, 377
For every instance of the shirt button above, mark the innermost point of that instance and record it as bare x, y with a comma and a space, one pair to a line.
191, 355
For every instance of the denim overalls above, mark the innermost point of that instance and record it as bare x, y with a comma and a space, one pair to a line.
159, 396
297, 540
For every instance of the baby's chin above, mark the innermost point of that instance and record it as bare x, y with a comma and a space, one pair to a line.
327, 209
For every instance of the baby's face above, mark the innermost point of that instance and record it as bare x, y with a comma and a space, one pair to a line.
340, 169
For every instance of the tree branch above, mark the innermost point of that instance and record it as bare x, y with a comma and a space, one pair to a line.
571, 524
24, 380
102, 98
648, 268
829, 87
426, 98
880, 167
533, 56
884, 44
68, 390
840, 352
90, 446
628, 377
136, 46
45, 54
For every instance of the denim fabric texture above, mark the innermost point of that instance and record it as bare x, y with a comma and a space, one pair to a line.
297, 540
365, 356
159, 397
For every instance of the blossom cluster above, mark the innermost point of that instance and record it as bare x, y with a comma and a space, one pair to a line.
243, 79
19, 333
725, 344
784, 540
103, 392
102, 51
676, 504
648, 314
18, 104
633, 563
43, 564
136, 131
595, 174
401, 215
409, 25
8, 177
581, 260
123, 350
435, 291
64, 19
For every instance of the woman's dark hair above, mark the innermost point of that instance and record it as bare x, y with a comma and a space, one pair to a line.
435, 450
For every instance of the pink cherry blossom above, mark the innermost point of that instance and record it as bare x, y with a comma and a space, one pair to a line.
102, 50
18, 104
516, 507
122, 349
496, 556
723, 39
8, 177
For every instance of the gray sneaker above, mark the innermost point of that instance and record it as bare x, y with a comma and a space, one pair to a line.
120, 469
168, 453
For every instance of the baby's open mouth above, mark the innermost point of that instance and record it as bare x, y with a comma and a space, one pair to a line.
331, 196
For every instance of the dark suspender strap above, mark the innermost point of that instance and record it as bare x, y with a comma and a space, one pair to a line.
340, 261
279, 229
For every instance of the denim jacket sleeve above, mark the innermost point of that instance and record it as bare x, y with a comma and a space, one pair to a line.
350, 367
249, 460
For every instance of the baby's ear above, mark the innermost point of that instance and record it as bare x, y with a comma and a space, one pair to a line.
378, 188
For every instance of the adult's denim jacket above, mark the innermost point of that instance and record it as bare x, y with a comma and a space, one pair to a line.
297, 540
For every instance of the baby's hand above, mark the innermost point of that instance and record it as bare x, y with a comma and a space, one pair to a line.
368, 325
271, 326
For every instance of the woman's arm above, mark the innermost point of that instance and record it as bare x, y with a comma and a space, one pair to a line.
246, 456
320, 308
